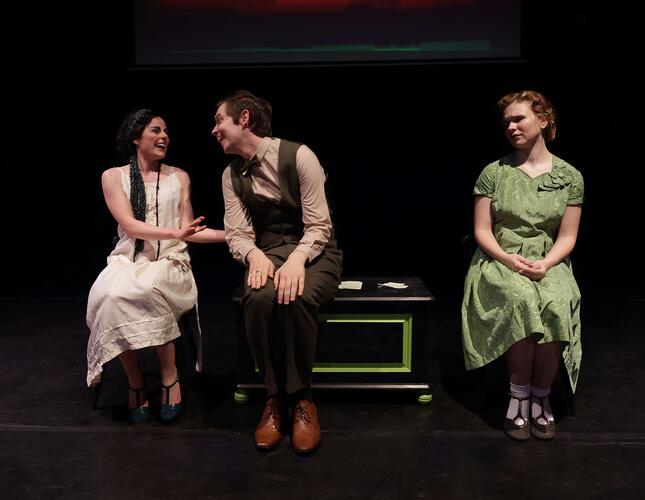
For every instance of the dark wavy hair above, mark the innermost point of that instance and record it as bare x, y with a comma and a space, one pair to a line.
540, 105
259, 109
131, 129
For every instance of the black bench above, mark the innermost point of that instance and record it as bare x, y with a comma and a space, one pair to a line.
373, 338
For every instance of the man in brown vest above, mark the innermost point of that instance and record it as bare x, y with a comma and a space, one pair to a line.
278, 225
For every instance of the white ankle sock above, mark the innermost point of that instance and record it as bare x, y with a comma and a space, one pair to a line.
522, 392
536, 407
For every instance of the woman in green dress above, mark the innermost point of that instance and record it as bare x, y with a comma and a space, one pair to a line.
520, 296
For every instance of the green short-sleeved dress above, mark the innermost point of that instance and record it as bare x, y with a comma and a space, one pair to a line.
500, 306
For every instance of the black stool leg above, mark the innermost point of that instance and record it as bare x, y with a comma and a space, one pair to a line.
182, 373
186, 346
97, 392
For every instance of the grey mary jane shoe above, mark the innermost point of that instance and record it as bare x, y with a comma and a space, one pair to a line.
538, 429
518, 427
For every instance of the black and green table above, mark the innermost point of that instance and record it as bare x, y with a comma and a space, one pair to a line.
372, 338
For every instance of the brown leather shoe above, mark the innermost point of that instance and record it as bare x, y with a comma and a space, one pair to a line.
271, 428
306, 429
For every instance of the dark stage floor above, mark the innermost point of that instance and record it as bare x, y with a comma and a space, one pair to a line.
376, 445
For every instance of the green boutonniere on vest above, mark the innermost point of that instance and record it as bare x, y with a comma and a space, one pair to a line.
249, 164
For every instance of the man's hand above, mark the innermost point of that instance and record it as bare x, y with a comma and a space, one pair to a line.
260, 269
290, 278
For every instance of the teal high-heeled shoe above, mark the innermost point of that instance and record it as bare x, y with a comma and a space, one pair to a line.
169, 411
139, 414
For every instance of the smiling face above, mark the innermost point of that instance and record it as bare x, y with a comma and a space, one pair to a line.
154, 140
226, 131
523, 128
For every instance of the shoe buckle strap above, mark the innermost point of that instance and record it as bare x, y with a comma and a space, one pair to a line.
166, 389
136, 395
519, 415
541, 415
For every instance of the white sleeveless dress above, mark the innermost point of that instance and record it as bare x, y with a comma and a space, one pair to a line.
137, 304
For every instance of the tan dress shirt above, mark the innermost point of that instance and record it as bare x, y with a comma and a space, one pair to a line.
240, 234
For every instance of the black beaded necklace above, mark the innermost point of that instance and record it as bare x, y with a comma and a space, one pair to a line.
138, 200
157, 209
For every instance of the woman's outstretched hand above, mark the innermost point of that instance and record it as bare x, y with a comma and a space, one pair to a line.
192, 228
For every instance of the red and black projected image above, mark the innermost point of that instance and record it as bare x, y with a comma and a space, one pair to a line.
234, 32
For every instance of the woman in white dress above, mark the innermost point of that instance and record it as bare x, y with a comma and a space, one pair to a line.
148, 284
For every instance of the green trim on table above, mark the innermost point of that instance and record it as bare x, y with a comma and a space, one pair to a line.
405, 366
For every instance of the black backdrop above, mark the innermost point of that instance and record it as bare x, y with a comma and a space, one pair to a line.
403, 145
